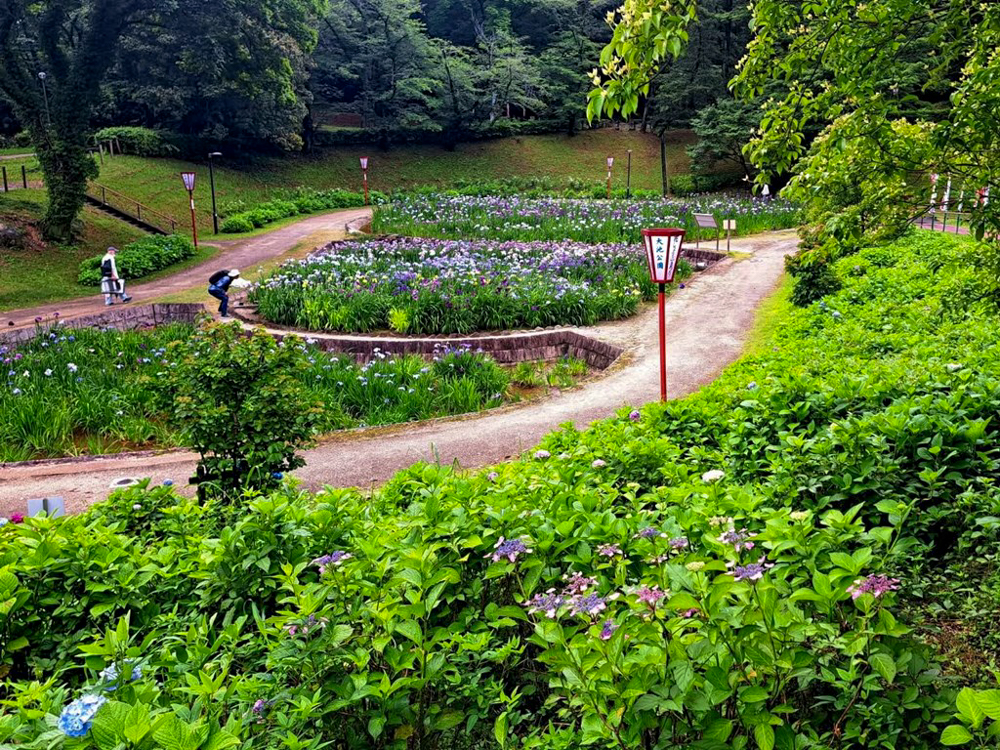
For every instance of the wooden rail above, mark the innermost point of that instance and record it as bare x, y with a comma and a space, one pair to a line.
118, 203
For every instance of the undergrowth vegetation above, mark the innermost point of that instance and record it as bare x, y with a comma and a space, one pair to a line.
140, 258
769, 563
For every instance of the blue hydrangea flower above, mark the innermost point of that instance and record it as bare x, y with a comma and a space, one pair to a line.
112, 675
77, 717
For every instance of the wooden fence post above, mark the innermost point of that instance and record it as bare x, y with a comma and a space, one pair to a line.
24, 177
5, 188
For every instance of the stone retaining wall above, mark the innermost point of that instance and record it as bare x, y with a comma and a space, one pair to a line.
545, 346
120, 317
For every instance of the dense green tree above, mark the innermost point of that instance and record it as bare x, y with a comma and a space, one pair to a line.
71, 43
894, 89
724, 129
235, 71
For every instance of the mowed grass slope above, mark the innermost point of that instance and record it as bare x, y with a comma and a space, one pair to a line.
157, 182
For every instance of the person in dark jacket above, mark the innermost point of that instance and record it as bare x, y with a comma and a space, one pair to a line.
218, 286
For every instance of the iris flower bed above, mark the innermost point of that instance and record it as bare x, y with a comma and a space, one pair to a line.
582, 220
440, 286
71, 391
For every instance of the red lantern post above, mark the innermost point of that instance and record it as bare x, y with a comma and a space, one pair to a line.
611, 163
663, 250
364, 174
188, 179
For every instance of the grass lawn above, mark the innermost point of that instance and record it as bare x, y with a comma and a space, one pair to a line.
156, 182
39, 273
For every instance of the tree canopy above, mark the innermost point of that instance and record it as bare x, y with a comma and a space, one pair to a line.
873, 99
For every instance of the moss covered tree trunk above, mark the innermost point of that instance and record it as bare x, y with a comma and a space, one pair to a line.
73, 43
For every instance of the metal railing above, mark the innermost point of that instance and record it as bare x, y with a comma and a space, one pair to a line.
152, 218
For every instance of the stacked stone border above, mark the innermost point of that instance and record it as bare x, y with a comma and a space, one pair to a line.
546, 345
120, 317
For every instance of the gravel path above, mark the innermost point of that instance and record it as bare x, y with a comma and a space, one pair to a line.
243, 254
707, 326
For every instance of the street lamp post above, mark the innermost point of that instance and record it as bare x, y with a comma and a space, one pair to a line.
663, 249
211, 180
364, 175
611, 163
628, 176
42, 75
188, 179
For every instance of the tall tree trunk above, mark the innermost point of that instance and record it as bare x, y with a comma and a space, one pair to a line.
66, 167
664, 174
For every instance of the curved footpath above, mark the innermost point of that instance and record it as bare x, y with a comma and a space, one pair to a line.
244, 254
707, 326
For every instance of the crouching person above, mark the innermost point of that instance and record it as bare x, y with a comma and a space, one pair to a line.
218, 286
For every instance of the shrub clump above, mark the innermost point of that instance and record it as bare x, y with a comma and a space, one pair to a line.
140, 258
296, 202
137, 140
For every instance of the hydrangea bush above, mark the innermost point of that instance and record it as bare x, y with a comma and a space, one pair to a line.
752, 567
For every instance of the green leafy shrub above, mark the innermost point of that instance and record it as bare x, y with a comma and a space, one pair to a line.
136, 140
754, 566
292, 202
237, 224
140, 258
237, 402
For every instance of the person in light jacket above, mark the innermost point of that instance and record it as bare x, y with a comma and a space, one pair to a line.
218, 286
112, 284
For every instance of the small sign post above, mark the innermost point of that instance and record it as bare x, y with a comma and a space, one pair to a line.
730, 226
663, 250
611, 163
188, 179
364, 175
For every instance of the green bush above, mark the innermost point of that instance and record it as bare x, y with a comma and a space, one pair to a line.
763, 564
136, 140
237, 401
140, 258
237, 224
290, 203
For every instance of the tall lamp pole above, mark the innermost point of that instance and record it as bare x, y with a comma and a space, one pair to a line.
628, 177
364, 175
42, 75
188, 178
211, 179
663, 249
611, 163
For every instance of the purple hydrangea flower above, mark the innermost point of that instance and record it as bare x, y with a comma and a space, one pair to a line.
578, 583
738, 539
548, 603
751, 572
635, 415
599, 464
541, 454
679, 543
609, 550
335, 559
608, 630
509, 549
650, 595
591, 605
649, 533
876, 585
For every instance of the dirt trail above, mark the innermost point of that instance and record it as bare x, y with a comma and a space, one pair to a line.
243, 254
707, 326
